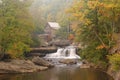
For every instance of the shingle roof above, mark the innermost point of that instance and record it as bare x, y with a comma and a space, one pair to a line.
54, 25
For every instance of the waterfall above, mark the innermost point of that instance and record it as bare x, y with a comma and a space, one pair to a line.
64, 53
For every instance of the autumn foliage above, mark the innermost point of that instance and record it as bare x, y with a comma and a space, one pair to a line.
71, 37
97, 22
15, 28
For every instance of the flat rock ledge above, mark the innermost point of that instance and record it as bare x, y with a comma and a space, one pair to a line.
20, 66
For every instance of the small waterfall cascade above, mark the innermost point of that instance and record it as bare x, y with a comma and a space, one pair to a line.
64, 53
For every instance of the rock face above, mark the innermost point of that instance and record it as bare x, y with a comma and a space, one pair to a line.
41, 62
117, 77
116, 49
68, 61
19, 66
114, 74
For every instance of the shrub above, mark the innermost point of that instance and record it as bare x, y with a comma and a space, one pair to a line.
115, 61
17, 50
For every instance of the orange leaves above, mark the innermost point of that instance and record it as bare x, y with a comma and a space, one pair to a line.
101, 47
71, 37
74, 25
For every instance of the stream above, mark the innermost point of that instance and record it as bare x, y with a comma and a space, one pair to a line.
61, 71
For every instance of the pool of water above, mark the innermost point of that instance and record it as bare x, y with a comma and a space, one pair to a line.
60, 73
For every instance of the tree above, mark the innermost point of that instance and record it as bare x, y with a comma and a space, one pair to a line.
97, 23
15, 27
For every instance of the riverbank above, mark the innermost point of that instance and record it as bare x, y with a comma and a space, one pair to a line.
114, 74
24, 66
109, 70
61, 73
34, 65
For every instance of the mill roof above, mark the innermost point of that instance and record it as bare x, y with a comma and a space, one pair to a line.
54, 25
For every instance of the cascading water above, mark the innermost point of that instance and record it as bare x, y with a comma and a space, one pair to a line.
63, 54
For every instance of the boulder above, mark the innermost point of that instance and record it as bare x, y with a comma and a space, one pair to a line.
68, 61
85, 66
41, 62
20, 66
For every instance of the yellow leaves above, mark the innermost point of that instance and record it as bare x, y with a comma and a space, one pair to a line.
80, 9
17, 49
12, 53
104, 8
76, 15
93, 4
114, 59
110, 6
87, 22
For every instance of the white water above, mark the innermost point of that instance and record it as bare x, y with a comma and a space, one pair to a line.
64, 53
